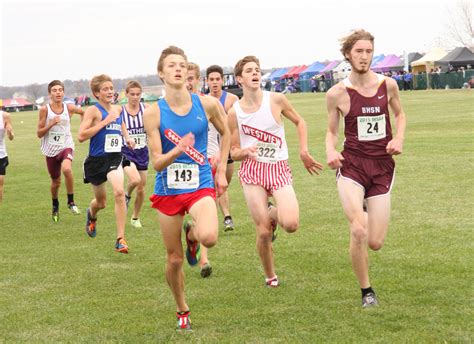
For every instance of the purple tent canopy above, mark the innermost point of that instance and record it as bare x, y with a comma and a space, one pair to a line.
330, 66
387, 64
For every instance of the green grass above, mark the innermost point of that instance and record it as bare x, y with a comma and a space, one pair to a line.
58, 285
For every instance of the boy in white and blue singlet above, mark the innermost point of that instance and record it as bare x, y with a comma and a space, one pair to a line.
103, 125
6, 129
57, 144
258, 139
177, 128
215, 81
135, 160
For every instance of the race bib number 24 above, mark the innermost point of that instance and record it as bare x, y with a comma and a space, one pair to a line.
371, 128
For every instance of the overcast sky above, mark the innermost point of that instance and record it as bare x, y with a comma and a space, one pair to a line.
70, 39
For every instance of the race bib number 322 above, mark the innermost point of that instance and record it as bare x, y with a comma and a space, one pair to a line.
183, 176
267, 152
371, 128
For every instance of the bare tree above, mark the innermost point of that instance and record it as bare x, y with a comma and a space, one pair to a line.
460, 27
34, 91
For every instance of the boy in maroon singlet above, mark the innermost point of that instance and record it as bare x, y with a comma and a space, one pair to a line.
365, 167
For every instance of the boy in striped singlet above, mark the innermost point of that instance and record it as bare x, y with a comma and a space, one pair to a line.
365, 168
6, 129
258, 139
103, 125
177, 129
57, 144
135, 161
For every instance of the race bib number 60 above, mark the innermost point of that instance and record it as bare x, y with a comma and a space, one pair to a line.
371, 128
183, 176
113, 143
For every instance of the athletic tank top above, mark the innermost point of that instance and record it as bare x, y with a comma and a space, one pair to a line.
223, 98
59, 136
260, 128
367, 126
3, 147
213, 146
108, 139
191, 170
136, 131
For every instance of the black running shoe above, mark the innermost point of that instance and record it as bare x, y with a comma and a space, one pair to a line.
369, 300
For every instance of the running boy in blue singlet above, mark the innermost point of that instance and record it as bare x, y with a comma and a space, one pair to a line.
177, 128
102, 124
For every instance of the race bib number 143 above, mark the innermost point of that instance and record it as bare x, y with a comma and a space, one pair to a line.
183, 176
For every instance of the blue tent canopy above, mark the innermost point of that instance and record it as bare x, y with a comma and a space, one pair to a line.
312, 69
278, 73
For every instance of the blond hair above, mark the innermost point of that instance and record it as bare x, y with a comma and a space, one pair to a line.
133, 84
194, 68
97, 82
348, 41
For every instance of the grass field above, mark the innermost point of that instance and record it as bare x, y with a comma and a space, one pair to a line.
58, 285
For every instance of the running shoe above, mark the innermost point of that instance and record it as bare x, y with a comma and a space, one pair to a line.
136, 223
55, 215
127, 199
369, 300
73, 208
273, 283
121, 245
193, 249
206, 270
228, 224
273, 223
184, 321
91, 229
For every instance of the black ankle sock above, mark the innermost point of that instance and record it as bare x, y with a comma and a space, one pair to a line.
134, 218
70, 198
228, 217
365, 291
55, 203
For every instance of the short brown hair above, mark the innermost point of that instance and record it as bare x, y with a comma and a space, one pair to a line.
171, 50
348, 41
194, 68
54, 83
239, 66
97, 81
214, 69
133, 84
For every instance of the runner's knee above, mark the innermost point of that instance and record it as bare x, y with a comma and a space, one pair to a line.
56, 182
174, 260
210, 240
359, 232
119, 194
375, 244
290, 225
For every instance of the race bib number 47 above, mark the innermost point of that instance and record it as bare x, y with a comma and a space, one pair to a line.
183, 176
113, 143
371, 128
57, 138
